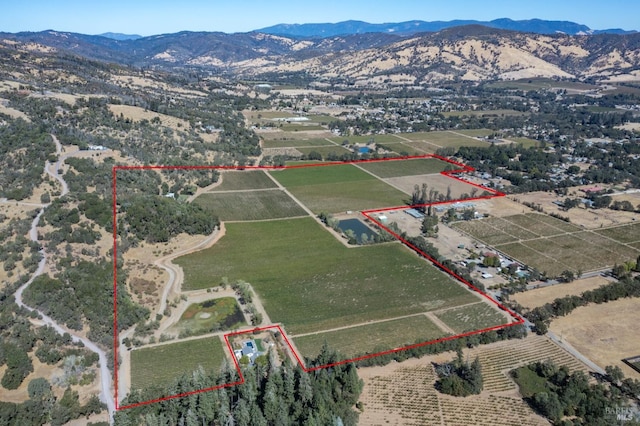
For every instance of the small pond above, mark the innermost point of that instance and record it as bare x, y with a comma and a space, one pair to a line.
358, 227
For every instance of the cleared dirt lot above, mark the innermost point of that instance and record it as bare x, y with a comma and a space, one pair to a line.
604, 333
436, 181
538, 297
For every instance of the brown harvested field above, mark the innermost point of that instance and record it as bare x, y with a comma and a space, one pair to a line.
604, 333
552, 245
137, 114
438, 182
404, 393
538, 297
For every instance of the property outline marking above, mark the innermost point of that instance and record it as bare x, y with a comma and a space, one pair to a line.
452, 174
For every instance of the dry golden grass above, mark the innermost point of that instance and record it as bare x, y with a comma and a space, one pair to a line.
604, 333
137, 114
538, 297
13, 113
148, 83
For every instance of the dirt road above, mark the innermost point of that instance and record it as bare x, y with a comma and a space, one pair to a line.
105, 374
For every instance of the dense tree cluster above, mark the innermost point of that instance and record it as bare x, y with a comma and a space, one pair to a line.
24, 149
43, 407
568, 398
82, 294
154, 218
270, 395
459, 377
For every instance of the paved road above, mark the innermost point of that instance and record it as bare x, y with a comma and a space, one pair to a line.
105, 374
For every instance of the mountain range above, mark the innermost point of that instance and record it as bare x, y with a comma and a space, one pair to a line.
461, 53
537, 26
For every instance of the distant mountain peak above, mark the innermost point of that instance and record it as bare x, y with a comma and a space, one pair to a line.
120, 37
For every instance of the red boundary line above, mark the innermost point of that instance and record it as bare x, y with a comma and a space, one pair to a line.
463, 168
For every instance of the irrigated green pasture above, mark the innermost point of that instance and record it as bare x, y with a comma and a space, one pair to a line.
210, 316
309, 281
371, 338
337, 188
161, 365
250, 205
244, 179
552, 245
474, 317
397, 168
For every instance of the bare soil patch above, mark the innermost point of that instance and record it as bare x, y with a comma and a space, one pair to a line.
440, 183
146, 280
604, 333
538, 297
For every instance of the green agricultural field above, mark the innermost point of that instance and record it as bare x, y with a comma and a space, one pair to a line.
297, 143
409, 148
233, 180
309, 281
338, 188
211, 315
250, 205
366, 139
397, 168
161, 365
476, 133
371, 338
325, 150
474, 317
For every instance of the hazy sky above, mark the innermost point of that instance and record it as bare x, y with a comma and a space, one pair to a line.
149, 17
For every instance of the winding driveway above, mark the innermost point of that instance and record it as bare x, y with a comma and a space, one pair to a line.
105, 375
